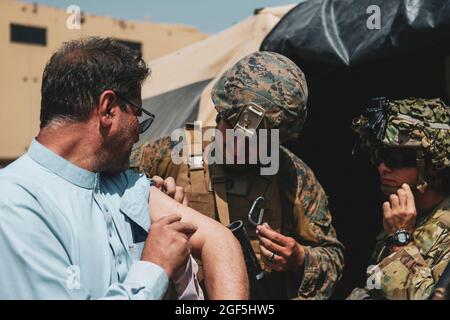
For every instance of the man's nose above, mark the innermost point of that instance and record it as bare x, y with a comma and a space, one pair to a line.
382, 168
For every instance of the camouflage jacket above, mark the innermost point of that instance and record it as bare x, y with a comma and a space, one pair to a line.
411, 273
307, 206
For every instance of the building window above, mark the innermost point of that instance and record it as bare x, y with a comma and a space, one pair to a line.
133, 45
28, 34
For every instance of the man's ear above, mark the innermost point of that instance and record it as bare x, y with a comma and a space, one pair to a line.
107, 108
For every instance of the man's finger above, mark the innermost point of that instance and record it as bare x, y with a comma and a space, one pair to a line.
272, 264
395, 202
387, 209
267, 254
265, 231
159, 182
410, 203
184, 227
270, 245
170, 186
169, 219
185, 201
402, 197
179, 194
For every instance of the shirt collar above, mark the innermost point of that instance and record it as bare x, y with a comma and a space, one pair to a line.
62, 167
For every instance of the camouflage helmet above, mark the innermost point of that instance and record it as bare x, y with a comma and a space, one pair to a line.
270, 81
416, 123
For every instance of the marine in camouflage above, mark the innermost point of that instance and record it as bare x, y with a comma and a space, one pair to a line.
412, 271
276, 84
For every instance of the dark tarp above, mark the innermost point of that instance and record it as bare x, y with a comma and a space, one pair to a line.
336, 33
346, 64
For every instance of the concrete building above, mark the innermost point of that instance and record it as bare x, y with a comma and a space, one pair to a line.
30, 33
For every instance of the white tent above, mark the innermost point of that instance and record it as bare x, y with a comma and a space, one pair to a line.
179, 88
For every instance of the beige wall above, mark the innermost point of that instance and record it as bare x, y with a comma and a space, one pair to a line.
21, 65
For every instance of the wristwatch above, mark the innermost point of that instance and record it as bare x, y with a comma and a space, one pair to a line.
401, 237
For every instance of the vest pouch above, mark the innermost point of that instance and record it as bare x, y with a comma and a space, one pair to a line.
202, 202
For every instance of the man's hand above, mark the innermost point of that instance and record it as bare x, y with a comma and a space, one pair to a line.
167, 244
279, 252
169, 187
400, 211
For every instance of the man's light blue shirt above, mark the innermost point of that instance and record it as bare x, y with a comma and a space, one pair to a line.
67, 233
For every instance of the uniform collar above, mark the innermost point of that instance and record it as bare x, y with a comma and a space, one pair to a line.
62, 167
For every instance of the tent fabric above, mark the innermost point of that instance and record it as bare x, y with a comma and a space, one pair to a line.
337, 33
201, 63
173, 110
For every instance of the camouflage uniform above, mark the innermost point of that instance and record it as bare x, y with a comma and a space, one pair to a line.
278, 85
411, 272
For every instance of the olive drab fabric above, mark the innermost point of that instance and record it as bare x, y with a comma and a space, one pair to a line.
271, 81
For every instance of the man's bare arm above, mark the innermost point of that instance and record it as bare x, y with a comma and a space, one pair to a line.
223, 262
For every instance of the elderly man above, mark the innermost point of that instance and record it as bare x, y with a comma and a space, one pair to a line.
75, 223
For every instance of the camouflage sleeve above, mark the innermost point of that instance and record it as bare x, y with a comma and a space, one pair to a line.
153, 158
407, 275
324, 259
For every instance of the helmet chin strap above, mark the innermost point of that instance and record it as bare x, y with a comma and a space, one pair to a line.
421, 184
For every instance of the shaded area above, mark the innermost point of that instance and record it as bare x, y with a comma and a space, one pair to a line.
346, 64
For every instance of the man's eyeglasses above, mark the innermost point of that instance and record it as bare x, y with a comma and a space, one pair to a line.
145, 124
396, 158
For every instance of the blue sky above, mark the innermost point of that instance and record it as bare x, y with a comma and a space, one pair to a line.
209, 16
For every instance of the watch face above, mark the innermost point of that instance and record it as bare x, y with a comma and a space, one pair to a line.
402, 238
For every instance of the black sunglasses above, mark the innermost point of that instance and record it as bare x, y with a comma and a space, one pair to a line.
145, 124
396, 158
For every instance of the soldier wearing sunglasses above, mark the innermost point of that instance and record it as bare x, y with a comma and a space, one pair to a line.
409, 142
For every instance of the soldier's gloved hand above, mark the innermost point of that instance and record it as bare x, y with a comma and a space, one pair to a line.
169, 187
400, 211
279, 252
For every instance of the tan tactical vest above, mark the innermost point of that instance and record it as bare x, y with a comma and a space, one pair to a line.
227, 195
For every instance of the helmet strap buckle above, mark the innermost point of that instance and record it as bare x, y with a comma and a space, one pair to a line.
249, 119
